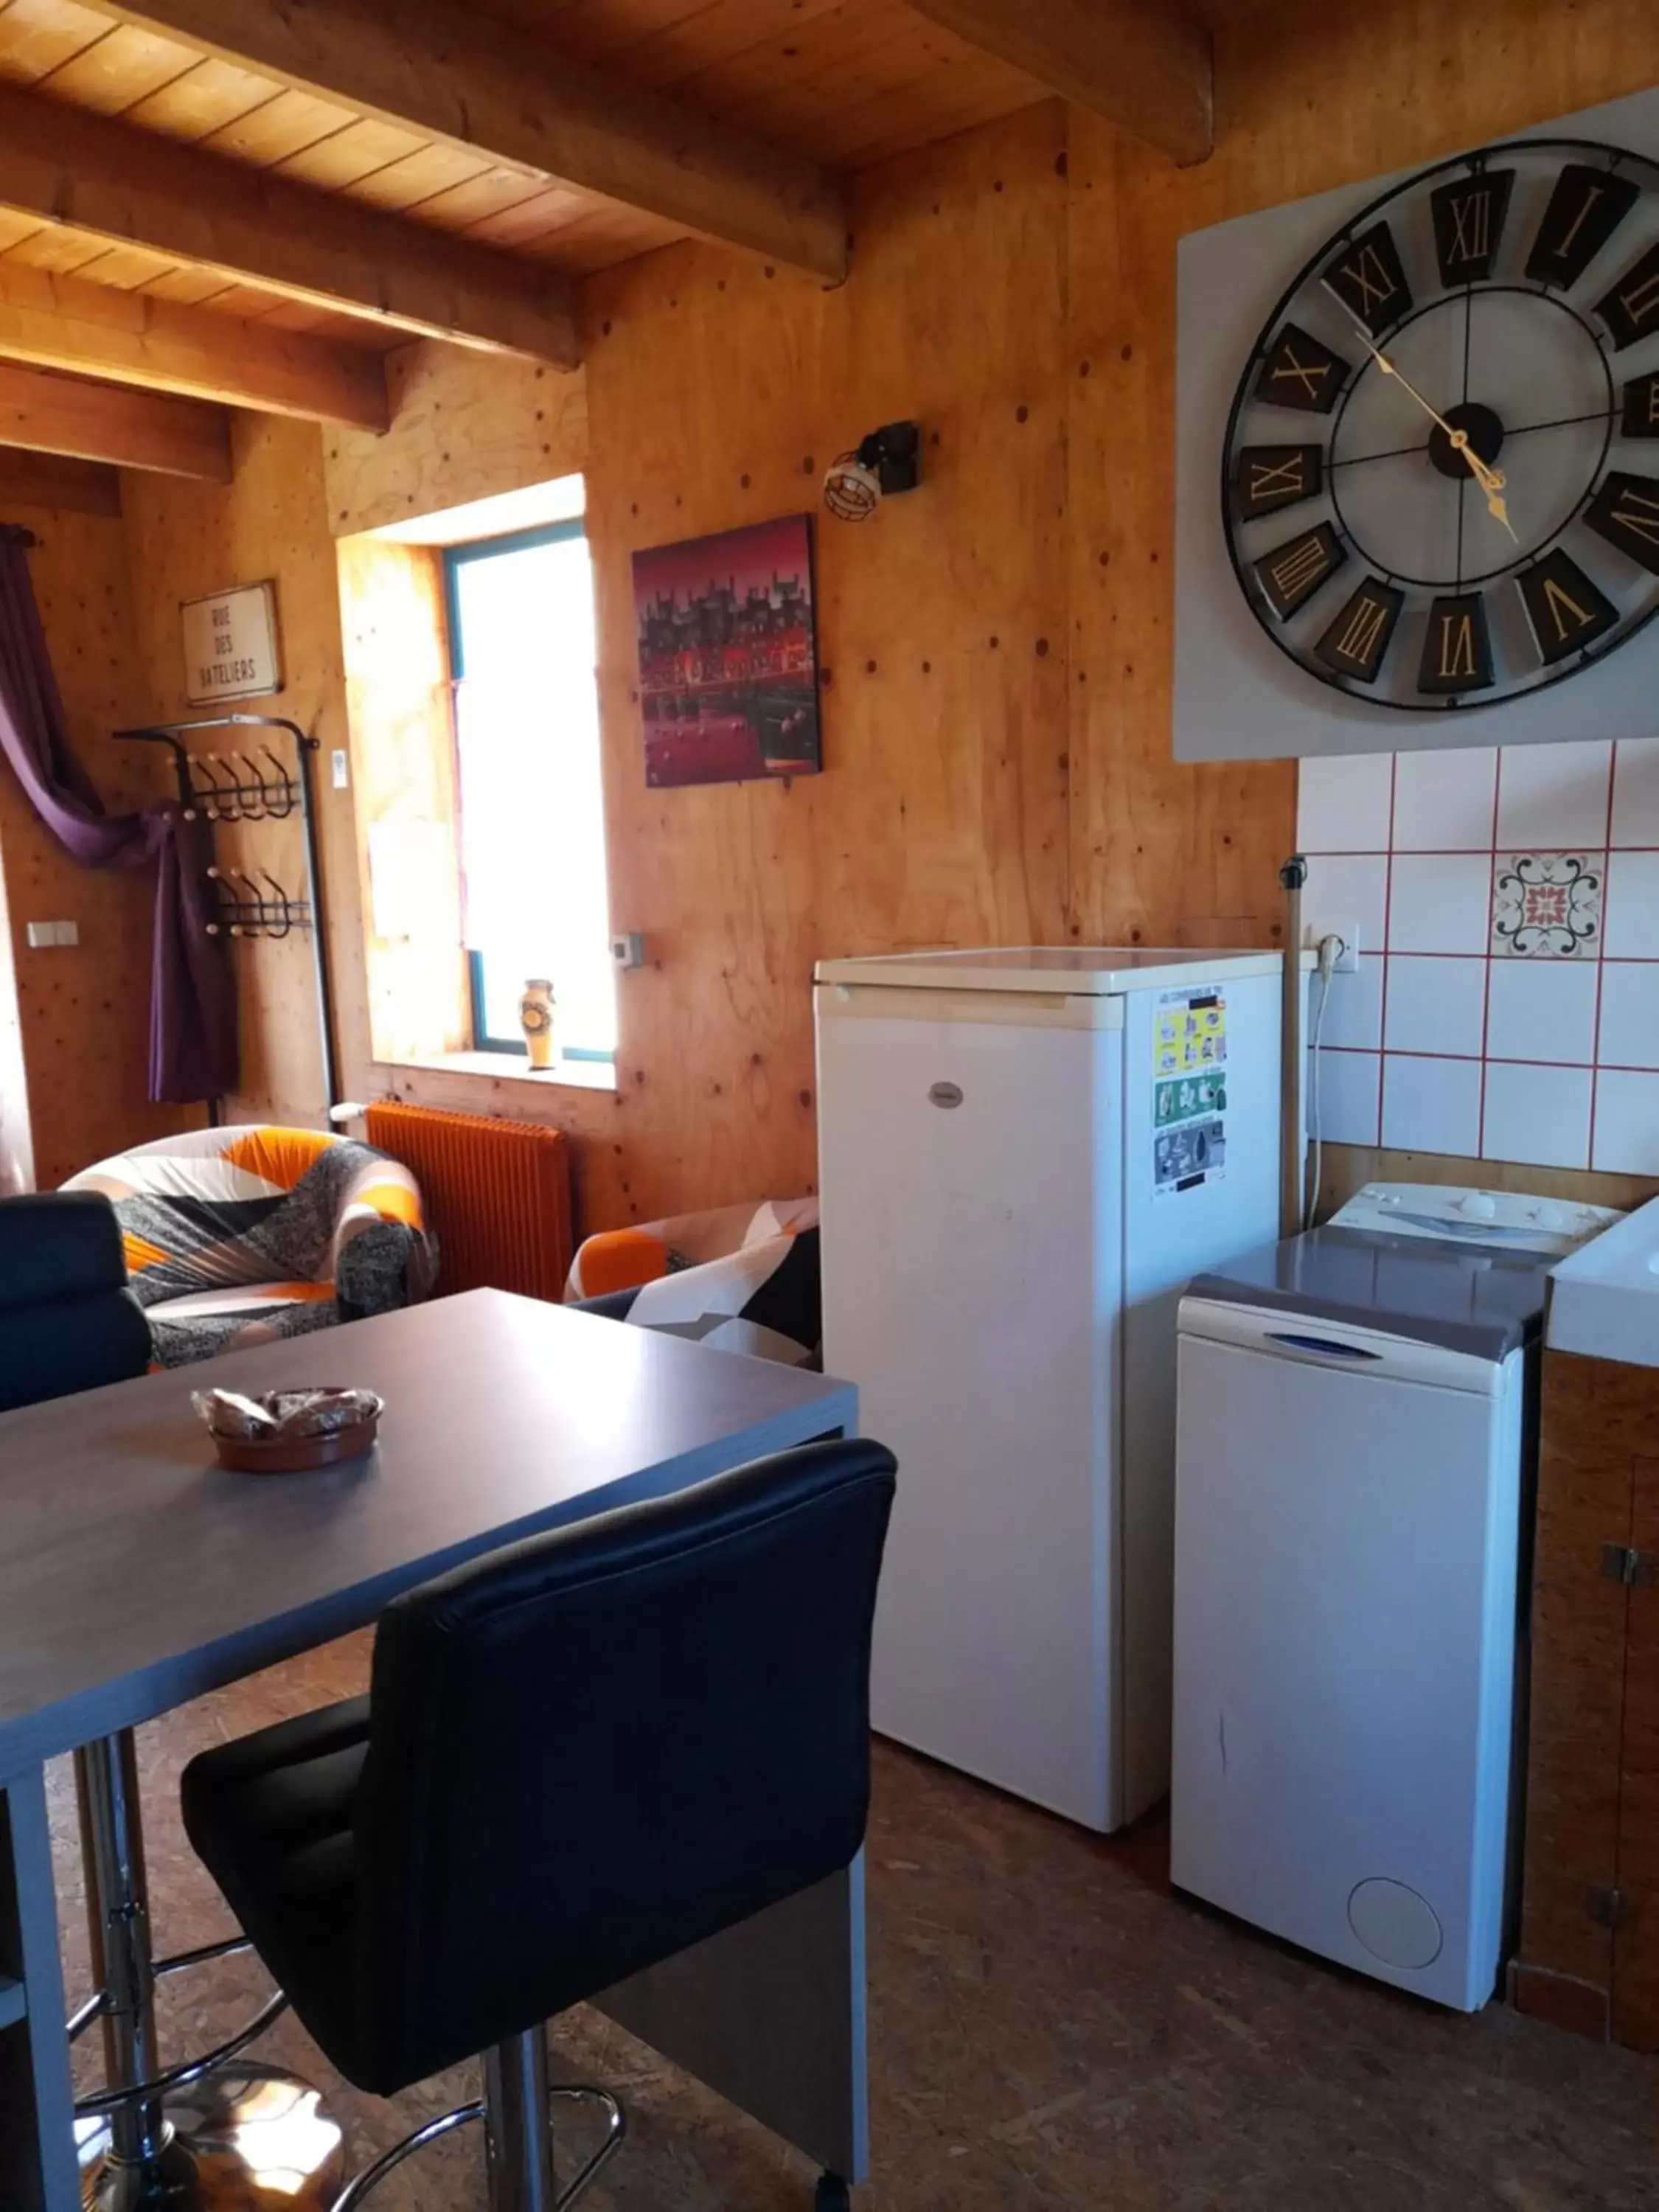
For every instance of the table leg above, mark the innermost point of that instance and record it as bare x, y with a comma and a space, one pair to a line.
771, 2016
209, 2131
117, 1914
38, 2171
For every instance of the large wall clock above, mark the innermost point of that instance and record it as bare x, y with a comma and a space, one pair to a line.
1440, 487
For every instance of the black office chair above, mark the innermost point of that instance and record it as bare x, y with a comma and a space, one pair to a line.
68, 1321
577, 1758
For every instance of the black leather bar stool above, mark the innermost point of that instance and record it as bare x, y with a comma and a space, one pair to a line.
69, 1323
578, 1757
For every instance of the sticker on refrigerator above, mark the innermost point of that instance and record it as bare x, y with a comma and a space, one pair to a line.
1191, 1153
1189, 1031
1189, 1090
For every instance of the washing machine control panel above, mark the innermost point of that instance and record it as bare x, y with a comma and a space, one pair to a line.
1505, 1220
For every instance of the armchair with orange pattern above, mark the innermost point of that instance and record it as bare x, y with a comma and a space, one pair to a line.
742, 1278
236, 1235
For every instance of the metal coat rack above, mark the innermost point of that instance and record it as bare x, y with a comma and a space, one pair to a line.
232, 787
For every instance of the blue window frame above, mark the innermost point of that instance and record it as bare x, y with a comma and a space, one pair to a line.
531, 812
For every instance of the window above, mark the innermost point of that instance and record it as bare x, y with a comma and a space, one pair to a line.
531, 817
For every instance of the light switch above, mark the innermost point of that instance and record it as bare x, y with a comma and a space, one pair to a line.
43, 934
339, 771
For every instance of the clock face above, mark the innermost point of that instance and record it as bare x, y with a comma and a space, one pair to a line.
1440, 481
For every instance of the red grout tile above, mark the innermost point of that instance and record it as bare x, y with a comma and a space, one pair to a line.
1606, 888
1388, 955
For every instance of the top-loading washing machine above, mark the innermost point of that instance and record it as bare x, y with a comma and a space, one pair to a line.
1352, 1509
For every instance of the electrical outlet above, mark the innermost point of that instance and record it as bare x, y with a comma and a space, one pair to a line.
339, 769
1348, 961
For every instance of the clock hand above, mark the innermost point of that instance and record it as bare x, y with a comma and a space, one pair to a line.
1491, 480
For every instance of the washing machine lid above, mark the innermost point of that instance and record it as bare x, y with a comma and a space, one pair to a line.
1456, 1296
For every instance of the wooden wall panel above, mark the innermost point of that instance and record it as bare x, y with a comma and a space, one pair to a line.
1636, 1943
716, 396
1595, 1418
464, 426
82, 1012
403, 755
186, 539
1013, 289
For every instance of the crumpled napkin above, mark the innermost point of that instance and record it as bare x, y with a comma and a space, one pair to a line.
282, 1415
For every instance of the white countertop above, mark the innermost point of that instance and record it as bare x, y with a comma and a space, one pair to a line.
1082, 970
1604, 1298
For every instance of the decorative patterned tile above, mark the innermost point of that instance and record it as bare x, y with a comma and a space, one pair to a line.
1548, 906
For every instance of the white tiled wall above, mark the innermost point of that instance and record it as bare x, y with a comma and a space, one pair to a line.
1507, 905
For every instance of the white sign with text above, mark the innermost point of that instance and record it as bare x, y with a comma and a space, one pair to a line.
230, 644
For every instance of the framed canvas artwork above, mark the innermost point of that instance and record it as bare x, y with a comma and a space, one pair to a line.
728, 655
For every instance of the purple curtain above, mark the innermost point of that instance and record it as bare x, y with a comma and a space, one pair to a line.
192, 997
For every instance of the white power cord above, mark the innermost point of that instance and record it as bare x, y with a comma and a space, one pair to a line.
1331, 949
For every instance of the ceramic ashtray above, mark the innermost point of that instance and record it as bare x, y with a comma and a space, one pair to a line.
288, 1431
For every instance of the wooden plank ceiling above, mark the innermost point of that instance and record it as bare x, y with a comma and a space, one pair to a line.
163, 166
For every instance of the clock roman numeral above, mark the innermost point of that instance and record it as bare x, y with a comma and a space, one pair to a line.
1585, 208
1566, 611
1300, 372
1468, 216
1631, 310
1641, 409
1626, 512
1456, 646
1368, 278
1358, 639
1268, 478
1292, 573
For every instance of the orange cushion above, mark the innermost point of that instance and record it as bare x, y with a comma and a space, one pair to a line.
619, 1259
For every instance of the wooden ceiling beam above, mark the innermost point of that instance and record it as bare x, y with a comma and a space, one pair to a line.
450, 73
66, 323
58, 484
1139, 64
69, 166
49, 413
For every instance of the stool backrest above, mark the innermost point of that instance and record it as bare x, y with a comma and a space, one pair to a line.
599, 1746
68, 1321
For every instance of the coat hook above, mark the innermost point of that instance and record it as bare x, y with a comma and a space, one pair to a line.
251, 789
214, 792
283, 784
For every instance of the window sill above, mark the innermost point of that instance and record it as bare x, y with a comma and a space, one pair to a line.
507, 1067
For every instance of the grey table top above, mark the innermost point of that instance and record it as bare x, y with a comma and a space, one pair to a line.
135, 1573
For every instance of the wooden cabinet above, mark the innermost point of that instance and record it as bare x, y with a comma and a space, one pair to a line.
1589, 1955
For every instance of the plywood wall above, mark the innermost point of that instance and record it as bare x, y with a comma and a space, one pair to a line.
397, 693
78, 1016
998, 647
185, 539
464, 426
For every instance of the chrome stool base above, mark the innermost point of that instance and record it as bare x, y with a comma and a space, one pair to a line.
515, 2108
242, 2138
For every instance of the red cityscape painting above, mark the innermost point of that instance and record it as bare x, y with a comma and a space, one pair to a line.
728, 655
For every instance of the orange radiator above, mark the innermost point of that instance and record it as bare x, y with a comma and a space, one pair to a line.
496, 1193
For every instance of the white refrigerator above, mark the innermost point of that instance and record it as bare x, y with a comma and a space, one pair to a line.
1024, 1155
